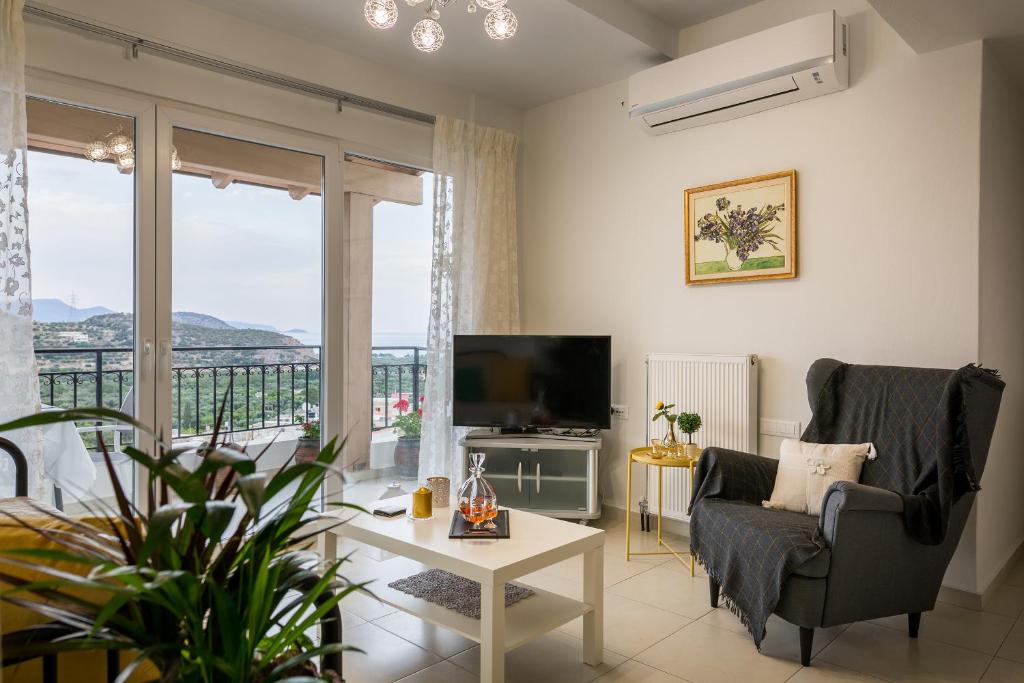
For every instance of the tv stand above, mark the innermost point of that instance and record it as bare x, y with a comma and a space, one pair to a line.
546, 474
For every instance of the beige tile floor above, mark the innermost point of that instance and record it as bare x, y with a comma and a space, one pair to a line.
659, 628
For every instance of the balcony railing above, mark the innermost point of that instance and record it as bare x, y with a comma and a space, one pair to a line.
262, 387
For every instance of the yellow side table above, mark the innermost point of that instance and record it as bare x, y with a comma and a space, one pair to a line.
644, 456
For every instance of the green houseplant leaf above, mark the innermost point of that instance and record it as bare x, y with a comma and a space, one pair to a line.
212, 581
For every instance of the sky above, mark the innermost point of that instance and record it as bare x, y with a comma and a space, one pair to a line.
244, 253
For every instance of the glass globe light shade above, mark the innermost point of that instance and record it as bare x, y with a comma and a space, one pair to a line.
427, 35
491, 4
501, 24
119, 144
126, 162
381, 14
96, 150
175, 159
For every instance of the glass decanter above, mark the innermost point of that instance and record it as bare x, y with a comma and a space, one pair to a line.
478, 502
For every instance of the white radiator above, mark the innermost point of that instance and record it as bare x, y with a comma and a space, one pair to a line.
723, 390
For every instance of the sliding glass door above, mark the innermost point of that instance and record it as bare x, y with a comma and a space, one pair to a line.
241, 295
90, 233
187, 271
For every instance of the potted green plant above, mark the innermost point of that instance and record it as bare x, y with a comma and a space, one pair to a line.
688, 424
212, 579
308, 446
409, 426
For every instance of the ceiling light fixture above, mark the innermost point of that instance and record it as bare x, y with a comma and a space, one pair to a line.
501, 24
428, 35
381, 14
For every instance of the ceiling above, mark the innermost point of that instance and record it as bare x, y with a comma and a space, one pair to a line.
929, 25
563, 46
683, 13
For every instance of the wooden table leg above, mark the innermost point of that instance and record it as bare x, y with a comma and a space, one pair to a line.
593, 595
492, 631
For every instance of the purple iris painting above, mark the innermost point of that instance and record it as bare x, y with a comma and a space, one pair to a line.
741, 231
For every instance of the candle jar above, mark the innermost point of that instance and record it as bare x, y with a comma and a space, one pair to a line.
442, 490
421, 507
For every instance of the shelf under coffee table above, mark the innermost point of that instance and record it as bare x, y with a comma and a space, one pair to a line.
536, 542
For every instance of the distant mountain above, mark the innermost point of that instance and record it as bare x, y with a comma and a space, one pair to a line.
251, 326
199, 320
57, 311
116, 330
296, 330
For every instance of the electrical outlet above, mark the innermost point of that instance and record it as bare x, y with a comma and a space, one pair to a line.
621, 412
784, 428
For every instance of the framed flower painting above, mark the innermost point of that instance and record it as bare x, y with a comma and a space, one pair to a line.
741, 230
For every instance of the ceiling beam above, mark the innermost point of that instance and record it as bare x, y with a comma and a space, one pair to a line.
636, 22
384, 185
928, 25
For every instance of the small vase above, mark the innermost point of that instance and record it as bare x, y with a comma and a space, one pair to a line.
733, 260
669, 441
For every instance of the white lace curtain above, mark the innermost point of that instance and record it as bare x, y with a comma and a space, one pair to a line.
19, 382
475, 274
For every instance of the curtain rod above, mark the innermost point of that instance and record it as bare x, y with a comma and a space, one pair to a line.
135, 43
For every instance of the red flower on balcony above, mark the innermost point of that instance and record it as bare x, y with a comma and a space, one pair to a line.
401, 405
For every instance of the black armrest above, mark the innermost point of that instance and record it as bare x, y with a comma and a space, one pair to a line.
20, 467
844, 497
734, 475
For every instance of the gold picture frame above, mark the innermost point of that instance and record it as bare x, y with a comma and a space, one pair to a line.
758, 243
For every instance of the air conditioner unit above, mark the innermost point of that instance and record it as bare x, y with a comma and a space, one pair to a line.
792, 62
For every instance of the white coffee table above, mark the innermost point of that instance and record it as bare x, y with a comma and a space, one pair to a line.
536, 542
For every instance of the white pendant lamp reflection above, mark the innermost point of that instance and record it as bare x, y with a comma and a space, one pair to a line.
126, 162
120, 148
96, 150
428, 35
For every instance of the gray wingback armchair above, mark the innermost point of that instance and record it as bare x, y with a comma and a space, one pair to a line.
869, 566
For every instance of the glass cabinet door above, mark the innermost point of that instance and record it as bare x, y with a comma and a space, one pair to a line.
508, 470
560, 480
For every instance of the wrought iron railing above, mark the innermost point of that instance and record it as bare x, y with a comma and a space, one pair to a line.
259, 394
392, 381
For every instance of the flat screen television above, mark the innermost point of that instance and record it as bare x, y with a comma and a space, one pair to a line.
524, 383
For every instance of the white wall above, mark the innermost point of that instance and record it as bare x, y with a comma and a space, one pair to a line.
1000, 515
888, 225
204, 30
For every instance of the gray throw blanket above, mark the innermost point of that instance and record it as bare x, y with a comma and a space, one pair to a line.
918, 426
745, 548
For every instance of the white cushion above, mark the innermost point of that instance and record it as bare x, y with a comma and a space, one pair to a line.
806, 470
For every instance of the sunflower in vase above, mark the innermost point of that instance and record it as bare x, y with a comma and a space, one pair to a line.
664, 412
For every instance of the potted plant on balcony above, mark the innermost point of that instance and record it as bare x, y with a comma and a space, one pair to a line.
309, 442
409, 425
204, 582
